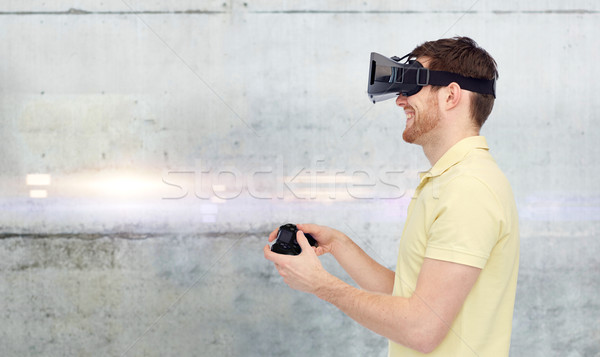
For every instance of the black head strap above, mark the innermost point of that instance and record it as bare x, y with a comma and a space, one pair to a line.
426, 76
441, 78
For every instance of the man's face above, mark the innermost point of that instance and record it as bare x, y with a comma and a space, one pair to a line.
422, 114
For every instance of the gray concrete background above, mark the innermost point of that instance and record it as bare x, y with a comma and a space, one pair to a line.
177, 134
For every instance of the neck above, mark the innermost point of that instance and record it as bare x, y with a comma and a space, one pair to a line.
436, 146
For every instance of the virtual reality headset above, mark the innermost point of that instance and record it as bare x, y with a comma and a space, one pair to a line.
389, 78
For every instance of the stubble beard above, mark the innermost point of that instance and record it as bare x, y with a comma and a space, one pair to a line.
423, 124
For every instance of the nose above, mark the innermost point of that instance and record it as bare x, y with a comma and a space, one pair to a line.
402, 100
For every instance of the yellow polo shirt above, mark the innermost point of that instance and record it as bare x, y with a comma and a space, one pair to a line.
463, 211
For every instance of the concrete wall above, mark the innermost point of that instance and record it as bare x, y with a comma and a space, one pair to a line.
169, 137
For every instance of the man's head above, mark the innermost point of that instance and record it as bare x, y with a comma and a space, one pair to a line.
463, 56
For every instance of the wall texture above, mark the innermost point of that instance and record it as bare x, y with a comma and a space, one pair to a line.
149, 147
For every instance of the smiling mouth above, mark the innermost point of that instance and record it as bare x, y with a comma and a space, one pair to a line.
409, 115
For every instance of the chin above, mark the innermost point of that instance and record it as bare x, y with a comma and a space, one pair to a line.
409, 137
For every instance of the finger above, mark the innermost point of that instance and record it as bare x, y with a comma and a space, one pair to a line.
279, 269
269, 255
308, 227
302, 241
319, 250
273, 235
275, 257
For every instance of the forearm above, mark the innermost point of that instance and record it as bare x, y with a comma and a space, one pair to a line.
420, 321
363, 269
393, 317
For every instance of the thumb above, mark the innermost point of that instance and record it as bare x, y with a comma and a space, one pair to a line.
302, 241
310, 228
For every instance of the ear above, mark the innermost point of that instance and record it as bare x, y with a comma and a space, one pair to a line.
453, 96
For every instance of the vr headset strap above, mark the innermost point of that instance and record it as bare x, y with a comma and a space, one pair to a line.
483, 86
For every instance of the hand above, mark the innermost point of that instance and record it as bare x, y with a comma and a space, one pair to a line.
322, 234
325, 236
302, 272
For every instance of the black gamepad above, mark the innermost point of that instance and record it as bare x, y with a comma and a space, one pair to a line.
286, 240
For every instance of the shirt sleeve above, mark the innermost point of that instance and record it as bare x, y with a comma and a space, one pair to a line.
466, 223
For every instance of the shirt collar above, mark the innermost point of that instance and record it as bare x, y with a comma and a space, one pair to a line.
455, 154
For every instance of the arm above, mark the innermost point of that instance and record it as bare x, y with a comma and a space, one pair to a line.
420, 322
363, 269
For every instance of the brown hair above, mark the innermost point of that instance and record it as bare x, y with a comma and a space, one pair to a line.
462, 55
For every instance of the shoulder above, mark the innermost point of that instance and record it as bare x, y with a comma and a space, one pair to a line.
467, 192
477, 175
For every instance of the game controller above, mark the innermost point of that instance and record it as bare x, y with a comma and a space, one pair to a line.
286, 240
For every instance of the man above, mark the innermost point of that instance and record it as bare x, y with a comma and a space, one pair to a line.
453, 290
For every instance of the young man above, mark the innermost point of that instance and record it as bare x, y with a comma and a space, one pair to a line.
453, 290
